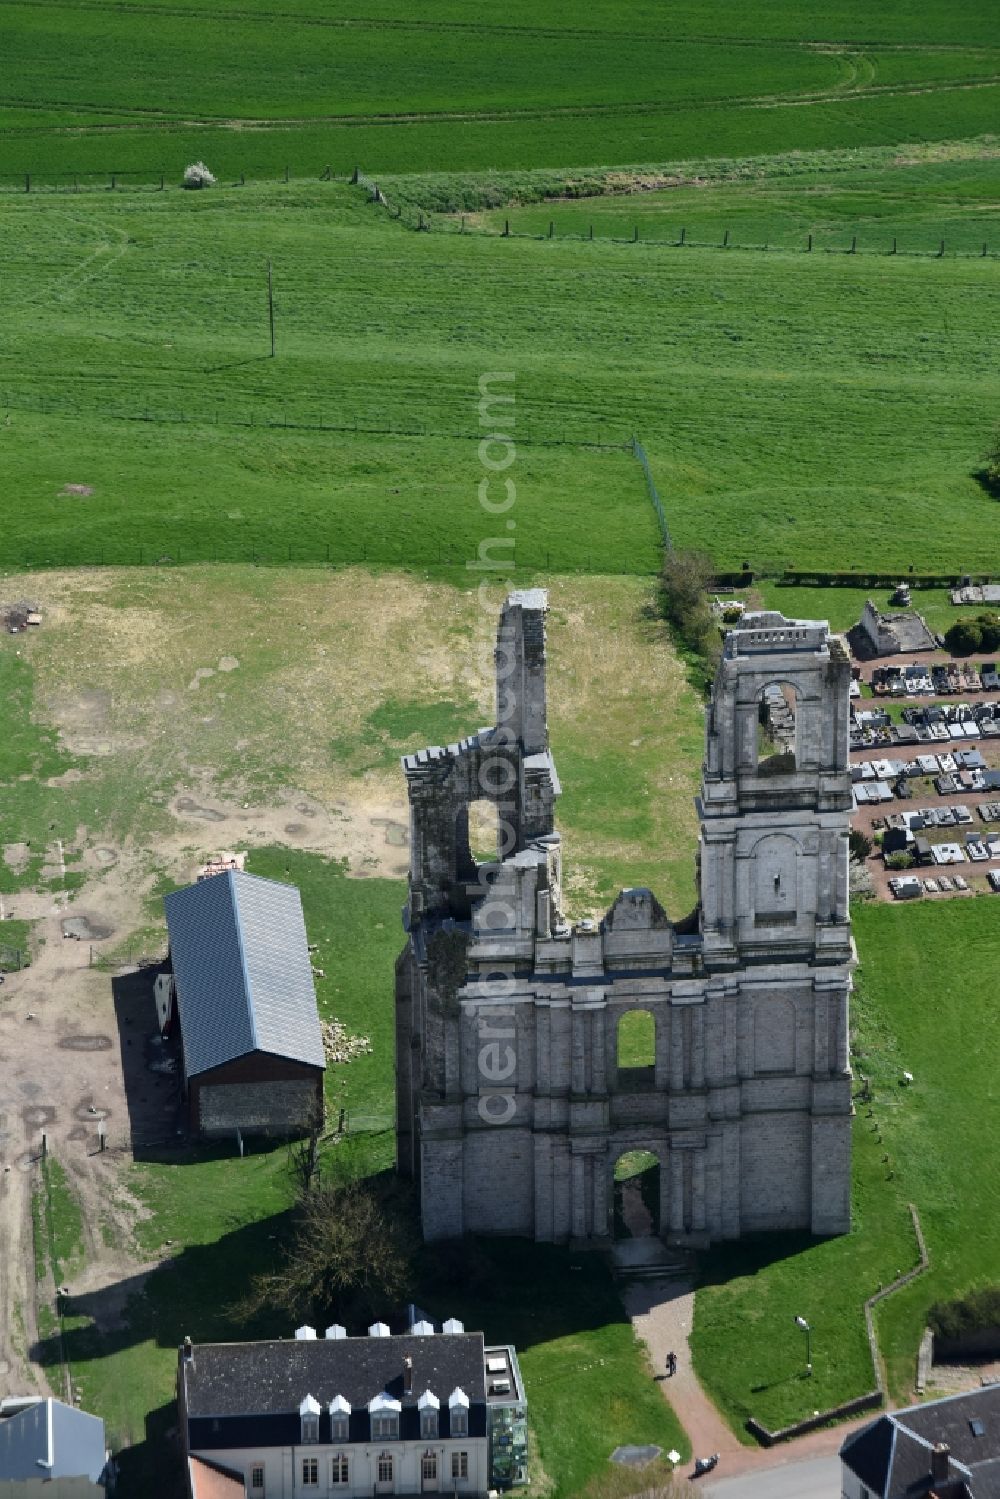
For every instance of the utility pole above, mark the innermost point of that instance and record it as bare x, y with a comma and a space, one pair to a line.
270, 306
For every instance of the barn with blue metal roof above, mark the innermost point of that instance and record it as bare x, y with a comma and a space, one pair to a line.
251, 1043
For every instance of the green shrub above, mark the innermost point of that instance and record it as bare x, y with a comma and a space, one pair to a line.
970, 1313
860, 845
902, 860
967, 636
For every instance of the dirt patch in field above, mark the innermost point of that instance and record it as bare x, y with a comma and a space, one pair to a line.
16, 856
79, 491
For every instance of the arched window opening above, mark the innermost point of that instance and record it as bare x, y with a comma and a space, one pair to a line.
476, 827
637, 1049
777, 729
483, 831
636, 1195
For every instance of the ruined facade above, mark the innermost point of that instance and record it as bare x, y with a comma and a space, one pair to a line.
512, 1108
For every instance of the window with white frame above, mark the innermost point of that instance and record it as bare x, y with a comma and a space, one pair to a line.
459, 1465
385, 1426
310, 1427
339, 1428
429, 1467
459, 1421
339, 1471
257, 1478
310, 1472
428, 1423
384, 1468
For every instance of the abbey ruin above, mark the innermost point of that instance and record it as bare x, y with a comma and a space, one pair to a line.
512, 1109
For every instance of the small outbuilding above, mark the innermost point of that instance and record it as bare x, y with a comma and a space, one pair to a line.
244, 1001
45, 1441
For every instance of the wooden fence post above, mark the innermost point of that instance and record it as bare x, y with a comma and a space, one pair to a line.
725, 240
683, 235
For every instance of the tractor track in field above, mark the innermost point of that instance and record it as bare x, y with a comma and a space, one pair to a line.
845, 91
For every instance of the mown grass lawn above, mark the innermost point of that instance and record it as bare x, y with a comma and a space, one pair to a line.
797, 410
924, 1003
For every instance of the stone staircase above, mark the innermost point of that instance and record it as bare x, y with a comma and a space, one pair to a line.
649, 1258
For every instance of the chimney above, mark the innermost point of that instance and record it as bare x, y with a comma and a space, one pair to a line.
407, 1376
940, 1454
188, 1351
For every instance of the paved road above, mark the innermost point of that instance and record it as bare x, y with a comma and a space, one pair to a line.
818, 1478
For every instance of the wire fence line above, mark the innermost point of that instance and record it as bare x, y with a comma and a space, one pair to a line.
418, 217
638, 451
379, 552
139, 179
888, 247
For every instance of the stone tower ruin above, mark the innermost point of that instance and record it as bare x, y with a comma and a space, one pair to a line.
512, 1108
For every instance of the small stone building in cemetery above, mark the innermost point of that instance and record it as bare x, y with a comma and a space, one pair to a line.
519, 1092
240, 985
431, 1411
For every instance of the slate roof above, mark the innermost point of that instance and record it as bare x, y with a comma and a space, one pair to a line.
241, 964
272, 1378
892, 1456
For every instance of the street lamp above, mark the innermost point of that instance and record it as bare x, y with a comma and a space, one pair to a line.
801, 1322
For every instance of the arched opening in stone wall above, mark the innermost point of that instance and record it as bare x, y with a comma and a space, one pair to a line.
636, 1207
483, 831
476, 826
636, 1049
775, 880
777, 729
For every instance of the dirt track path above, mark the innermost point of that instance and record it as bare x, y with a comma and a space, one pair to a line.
60, 1055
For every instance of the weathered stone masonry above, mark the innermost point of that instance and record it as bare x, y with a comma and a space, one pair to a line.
512, 1110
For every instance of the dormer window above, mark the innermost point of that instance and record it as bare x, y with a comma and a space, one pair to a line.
384, 1413
340, 1419
309, 1420
428, 1405
458, 1412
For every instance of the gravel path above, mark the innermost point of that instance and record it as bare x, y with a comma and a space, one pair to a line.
662, 1312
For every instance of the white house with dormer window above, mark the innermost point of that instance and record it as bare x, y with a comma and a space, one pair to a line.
351, 1417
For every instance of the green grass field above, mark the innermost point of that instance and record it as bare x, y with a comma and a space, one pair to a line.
149, 87
806, 410
924, 1003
